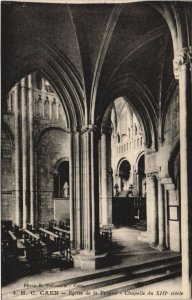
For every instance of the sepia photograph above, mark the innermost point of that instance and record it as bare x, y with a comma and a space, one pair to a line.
96, 150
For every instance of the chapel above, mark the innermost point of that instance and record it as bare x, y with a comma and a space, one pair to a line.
96, 135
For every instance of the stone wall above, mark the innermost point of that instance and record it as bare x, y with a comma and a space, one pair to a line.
53, 146
7, 204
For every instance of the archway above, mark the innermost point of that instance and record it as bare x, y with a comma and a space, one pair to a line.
124, 174
141, 177
61, 180
62, 191
124, 152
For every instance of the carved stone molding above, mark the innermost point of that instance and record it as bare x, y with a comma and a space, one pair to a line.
183, 60
89, 128
106, 130
76, 130
152, 176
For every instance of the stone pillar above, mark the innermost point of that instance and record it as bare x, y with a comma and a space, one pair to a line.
50, 109
31, 149
106, 178
77, 209
182, 67
17, 158
57, 105
161, 216
24, 147
152, 215
137, 183
36, 203
91, 257
9, 102
91, 177
71, 191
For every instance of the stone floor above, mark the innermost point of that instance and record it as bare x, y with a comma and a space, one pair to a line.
127, 251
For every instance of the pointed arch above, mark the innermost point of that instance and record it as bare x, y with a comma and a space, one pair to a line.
59, 71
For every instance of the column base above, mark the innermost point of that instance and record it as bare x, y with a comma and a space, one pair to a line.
153, 245
161, 248
89, 260
143, 237
75, 251
107, 226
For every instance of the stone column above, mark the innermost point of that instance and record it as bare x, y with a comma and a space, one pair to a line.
50, 108
90, 257
36, 202
57, 105
17, 158
31, 149
77, 189
137, 183
182, 67
9, 102
152, 216
71, 190
24, 147
161, 216
106, 218
91, 204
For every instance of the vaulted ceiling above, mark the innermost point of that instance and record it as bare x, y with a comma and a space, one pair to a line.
111, 50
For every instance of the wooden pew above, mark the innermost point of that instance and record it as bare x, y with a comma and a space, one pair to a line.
50, 238
11, 245
40, 225
51, 224
18, 231
34, 248
13, 239
8, 250
59, 246
64, 225
65, 234
30, 236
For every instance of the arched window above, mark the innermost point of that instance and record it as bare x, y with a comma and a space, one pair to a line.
118, 138
124, 173
54, 110
135, 129
60, 112
48, 87
39, 110
38, 80
46, 108
61, 181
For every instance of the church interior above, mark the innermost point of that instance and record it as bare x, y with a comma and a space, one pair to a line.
96, 145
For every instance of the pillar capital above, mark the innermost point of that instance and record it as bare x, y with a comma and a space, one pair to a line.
152, 176
106, 130
89, 128
74, 132
183, 61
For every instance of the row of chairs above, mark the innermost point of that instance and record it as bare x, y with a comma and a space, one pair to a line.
47, 248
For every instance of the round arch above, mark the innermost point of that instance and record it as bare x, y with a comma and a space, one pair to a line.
119, 164
137, 160
59, 161
49, 128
